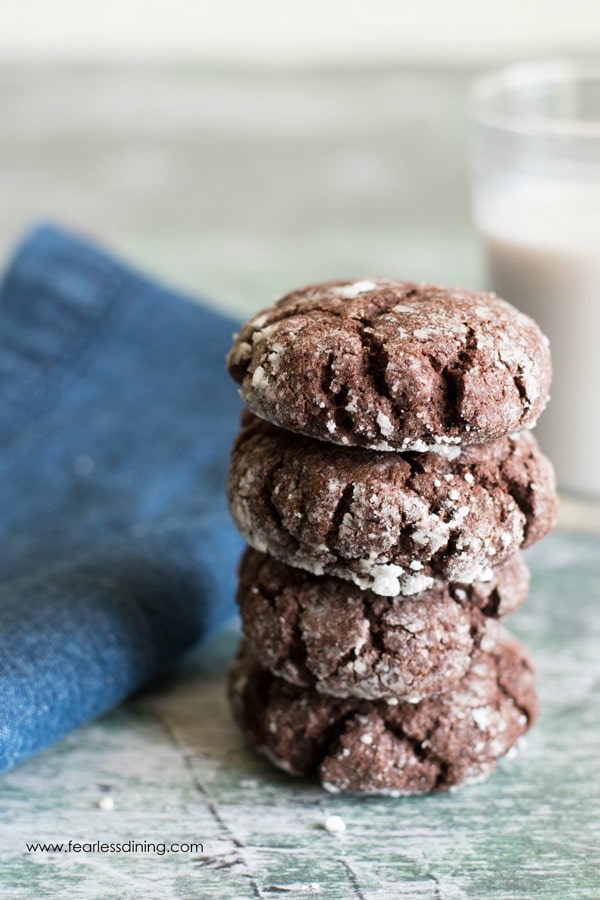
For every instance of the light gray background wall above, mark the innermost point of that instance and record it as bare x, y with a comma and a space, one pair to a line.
352, 32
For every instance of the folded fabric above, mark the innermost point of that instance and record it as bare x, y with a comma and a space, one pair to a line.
116, 418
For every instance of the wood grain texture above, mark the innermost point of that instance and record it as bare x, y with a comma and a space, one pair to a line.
177, 769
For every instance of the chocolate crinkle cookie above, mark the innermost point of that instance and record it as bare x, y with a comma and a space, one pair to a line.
390, 522
393, 365
385, 747
326, 633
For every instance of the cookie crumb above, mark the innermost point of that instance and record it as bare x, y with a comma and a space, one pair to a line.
334, 824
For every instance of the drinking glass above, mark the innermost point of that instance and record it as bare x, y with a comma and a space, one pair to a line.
535, 187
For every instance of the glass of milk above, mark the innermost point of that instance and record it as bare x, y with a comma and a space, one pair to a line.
535, 175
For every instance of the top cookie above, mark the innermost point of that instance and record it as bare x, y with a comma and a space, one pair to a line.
393, 365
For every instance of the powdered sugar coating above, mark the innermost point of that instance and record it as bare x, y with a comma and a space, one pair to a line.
393, 365
366, 516
369, 747
328, 634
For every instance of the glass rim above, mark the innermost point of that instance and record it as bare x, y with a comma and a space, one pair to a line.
514, 78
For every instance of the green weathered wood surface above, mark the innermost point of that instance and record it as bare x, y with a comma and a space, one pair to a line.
241, 186
178, 770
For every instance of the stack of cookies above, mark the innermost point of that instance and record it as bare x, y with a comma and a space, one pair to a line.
385, 480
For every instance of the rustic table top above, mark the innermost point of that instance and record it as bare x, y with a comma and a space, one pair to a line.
240, 186
177, 770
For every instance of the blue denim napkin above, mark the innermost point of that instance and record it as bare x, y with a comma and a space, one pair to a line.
116, 550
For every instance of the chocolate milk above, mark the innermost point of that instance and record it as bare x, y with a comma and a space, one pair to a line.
543, 249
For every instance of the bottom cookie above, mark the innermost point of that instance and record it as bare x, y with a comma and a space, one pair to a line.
382, 747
